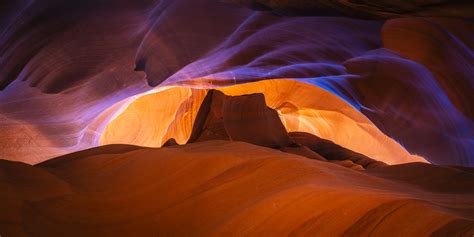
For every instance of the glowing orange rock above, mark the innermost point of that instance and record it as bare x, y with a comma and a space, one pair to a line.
302, 108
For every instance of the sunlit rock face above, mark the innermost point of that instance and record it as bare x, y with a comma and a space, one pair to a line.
154, 118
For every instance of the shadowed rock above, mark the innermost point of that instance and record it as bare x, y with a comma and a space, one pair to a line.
239, 118
366, 8
334, 152
247, 118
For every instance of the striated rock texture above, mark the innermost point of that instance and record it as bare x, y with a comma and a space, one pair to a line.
261, 181
67, 69
224, 188
236, 118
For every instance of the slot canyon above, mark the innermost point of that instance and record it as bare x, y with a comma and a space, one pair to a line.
236, 118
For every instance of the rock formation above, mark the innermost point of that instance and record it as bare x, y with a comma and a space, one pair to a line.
217, 188
236, 117
244, 185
